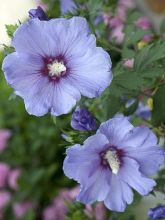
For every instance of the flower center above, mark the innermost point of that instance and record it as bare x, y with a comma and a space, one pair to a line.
56, 68
113, 160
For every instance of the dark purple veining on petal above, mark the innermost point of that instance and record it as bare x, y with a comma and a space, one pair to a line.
48, 61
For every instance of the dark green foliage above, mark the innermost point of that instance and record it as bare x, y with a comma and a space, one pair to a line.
76, 211
158, 114
160, 180
150, 54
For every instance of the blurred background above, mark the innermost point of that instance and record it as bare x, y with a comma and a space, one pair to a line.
12, 12
32, 183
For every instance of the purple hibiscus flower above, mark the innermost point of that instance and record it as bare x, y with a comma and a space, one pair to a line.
56, 62
83, 120
157, 213
116, 159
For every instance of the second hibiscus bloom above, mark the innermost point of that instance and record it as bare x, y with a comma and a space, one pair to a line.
117, 159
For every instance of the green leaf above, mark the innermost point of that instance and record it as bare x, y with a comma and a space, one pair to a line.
132, 35
130, 83
76, 212
10, 29
150, 75
149, 54
113, 105
160, 181
76, 136
130, 110
37, 175
158, 114
126, 83
128, 53
94, 6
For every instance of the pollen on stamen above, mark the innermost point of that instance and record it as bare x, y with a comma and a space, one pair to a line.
56, 68
113, 160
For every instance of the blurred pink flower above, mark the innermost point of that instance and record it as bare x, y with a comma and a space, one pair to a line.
88, 211
4, 199
58, 209
74, 192
106, 18
123, 7
20, 209
117, 34
148, 38
4, 172
143, 23
128, 4
13, 178
100, 211
1, 215
97, 213
4, 136
115, 22
129, 63
49, 213
121, 12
